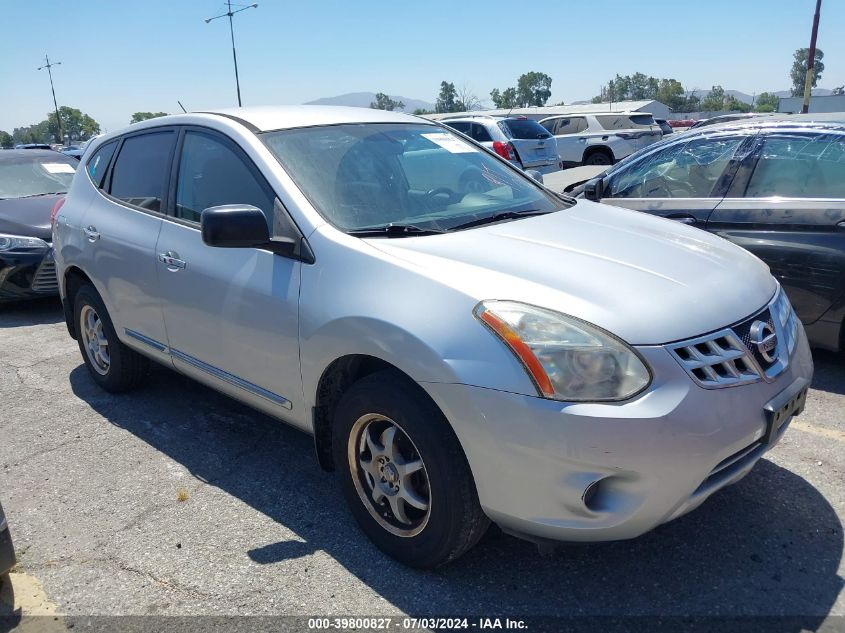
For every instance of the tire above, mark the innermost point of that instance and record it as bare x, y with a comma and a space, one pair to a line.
113, 366
452, 520
599, 157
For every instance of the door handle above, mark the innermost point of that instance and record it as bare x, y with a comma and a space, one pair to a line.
683, 218
171, 260
91, 233
841, 226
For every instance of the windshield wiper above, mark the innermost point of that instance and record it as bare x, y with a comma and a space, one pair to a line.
393, 230
38, 195
498, 217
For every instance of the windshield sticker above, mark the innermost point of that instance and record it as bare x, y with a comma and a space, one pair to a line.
450, 143
58, 168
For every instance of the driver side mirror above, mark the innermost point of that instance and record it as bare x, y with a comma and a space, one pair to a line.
234, 226
594, 189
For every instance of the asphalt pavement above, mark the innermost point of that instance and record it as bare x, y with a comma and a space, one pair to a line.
174, 500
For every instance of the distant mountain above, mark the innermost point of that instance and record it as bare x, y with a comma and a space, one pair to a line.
364, 99
747, 98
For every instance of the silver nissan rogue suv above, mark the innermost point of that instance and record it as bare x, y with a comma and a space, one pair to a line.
565, 369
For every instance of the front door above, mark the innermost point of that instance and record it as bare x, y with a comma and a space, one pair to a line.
787, 206
683, 181
231, 313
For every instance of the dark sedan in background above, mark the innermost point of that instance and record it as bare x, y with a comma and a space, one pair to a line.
774, 185
32, 182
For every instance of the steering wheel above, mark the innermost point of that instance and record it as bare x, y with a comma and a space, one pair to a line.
431, 196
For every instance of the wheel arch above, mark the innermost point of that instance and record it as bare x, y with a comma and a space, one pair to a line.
72, 280
598, 149
334, 381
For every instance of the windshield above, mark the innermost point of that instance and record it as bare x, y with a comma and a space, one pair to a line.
23, 176
361, 176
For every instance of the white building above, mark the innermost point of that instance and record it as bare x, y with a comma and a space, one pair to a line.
827, 103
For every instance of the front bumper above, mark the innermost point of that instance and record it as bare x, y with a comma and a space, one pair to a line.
27, 275
550, 470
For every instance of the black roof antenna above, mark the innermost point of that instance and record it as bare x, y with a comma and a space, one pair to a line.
181, 106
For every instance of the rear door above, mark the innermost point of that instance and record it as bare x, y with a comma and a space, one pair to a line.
121, 229
682, 181
534, 145
231, 313
787, 206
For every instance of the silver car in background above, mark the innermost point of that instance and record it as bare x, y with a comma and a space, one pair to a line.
568, 370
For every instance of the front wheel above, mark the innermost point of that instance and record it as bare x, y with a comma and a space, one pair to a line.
403, 472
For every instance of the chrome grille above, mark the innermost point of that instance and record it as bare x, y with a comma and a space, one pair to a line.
730, 357
45, 279
716, 360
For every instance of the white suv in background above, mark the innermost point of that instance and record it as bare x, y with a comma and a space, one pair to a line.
522, 141
601, 138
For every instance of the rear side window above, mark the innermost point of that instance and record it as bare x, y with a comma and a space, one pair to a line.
566, 126
140, 171
460, 126
212, 174
99, 163
523, 129
479, 133
625, 121
800, 166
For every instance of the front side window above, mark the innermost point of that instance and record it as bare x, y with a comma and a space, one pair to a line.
35, 175
139, 173
360, 176
799, 166
212, 174
99, 163
682, 170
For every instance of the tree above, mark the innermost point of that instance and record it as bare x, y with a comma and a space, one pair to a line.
715, 99
75, 124
421, 111
447, 100
533, 89
735, 105
798, 72
383, 102
6, 140
838, 91
505, 99
671, 93
467, 101
143, 116
766, 102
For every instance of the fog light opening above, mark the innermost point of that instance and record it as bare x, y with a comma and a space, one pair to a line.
591, 497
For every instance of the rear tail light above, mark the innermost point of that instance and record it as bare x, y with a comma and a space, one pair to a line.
505, 150
55, 212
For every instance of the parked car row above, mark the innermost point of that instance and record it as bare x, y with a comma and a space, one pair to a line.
32, 183
461, 353
774, 185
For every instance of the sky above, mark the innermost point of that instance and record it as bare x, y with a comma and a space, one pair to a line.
125, 56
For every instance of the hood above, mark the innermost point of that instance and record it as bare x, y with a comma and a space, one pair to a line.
646, 279
29, 217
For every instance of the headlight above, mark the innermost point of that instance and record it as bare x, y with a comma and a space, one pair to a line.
568, 359
16, 243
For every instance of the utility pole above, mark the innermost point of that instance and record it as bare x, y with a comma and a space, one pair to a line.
811, 60
49, 66
229, 14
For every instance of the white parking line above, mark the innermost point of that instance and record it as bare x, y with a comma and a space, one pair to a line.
833, 434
